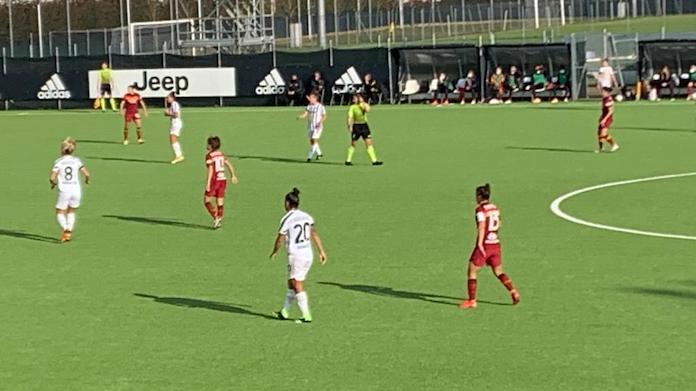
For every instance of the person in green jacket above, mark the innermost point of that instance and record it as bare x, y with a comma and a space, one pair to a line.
359, 129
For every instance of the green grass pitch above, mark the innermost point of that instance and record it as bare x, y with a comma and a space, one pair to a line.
146, 297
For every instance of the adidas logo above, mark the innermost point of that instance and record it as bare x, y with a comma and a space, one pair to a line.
54, 89
349, 82
272, 84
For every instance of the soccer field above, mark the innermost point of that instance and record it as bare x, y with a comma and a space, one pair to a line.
147, 297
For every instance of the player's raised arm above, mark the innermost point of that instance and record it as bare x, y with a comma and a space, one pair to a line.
320, 246
85, 172
277, 245
230, 167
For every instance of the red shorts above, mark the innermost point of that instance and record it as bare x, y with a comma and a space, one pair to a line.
493, 256
605, 125
131, 117
217, 189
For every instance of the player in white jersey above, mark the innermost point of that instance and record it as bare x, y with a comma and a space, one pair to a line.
298, 232
605, 76
315, 113
173, 111
66, 175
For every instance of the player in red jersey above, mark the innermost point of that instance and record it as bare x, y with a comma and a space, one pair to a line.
216, 161
130, 109
605, 121
487, 251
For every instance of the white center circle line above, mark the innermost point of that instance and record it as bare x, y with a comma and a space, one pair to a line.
556, 207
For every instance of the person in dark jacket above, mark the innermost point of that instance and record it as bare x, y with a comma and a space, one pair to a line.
295, 91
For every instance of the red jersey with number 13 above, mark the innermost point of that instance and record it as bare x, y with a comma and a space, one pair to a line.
490, 216
215, 161
132, 103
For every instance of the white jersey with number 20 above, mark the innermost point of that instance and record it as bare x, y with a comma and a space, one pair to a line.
296, 226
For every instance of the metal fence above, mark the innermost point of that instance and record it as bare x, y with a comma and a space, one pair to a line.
424, 22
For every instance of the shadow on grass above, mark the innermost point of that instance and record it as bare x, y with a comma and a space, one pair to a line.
390, 292
286, 160
27, 236
204, 304
158, 221
99, 142
654, 129
128, 160
664, 292
550, 149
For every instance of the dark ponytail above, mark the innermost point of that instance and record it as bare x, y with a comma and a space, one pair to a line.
484, 192
293, 198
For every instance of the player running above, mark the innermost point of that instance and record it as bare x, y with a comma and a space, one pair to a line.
298, 232
487, 251
605, 121
66, 175
106, 84
316, 114
216, 161
173, 111
130, 109
359, 129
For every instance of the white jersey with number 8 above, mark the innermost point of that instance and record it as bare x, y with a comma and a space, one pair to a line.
296, 226
69, 190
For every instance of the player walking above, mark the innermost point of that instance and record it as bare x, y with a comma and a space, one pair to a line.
216, 161
605, 121
358, 127
130, 109
298, 232
487, 250
173, 111
316, 114
66, 175
106, 84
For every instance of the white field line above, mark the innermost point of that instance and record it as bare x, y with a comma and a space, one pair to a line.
556, 207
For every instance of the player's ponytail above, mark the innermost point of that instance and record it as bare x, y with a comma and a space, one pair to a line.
67, 146
293, 198
484, 192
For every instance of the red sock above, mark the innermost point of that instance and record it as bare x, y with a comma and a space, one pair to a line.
220, 211
471, 285
211, 209
505, 280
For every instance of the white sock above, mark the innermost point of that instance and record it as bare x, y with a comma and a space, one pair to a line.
177, 149
70, 221
318, 149
62, 221
311, 152
303, 303
289, 299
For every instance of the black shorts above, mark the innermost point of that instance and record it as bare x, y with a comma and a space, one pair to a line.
105, 89
361, 131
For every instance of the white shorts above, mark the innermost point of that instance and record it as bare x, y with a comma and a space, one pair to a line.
315, 134
68, 199
605, 83
298, 268
175, 127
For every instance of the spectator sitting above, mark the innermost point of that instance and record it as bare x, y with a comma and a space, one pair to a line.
295, 91
316, 84
539, 83
667, 81
561, 84
512, 83
371, 88
468, 85
440, 88
497, 84
691, 87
